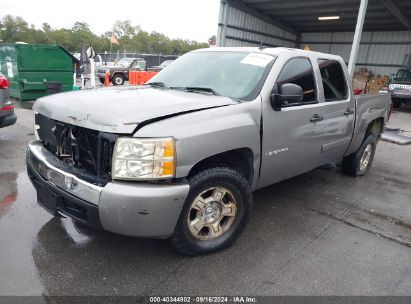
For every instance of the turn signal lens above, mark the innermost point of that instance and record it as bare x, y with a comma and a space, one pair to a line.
167, 168
168, 149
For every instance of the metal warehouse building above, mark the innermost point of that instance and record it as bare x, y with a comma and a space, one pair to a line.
386, 29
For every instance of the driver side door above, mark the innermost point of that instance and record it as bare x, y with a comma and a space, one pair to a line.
292, 137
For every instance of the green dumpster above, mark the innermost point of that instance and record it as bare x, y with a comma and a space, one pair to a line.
28, 67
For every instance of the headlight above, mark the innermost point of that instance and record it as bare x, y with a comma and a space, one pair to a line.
391, 87
143, 159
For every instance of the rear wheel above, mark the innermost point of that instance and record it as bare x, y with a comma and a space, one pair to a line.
360, 162
397, 105
215, 212
118, 79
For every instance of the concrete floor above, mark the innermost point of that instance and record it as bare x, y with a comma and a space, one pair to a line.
321, 233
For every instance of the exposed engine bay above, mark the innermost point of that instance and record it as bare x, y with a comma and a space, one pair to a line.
87, 151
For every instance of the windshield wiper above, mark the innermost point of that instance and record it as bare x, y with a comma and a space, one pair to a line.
196, 89
157, 84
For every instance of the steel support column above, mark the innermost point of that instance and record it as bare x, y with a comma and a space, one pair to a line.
357, 36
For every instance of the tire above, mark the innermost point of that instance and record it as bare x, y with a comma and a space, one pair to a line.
360, 162
101, 80
396, 104
118, 79
206, 208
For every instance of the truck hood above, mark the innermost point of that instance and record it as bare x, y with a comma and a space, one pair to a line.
121, 110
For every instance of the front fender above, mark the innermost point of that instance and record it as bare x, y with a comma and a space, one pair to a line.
206, 133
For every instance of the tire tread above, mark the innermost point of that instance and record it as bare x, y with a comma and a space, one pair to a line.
350, 163
179, 240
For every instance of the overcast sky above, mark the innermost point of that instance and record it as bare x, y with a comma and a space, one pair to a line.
187, 19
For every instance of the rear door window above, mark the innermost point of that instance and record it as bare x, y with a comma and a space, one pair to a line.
334, 83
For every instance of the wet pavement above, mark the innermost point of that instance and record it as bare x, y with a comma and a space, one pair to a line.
321, 233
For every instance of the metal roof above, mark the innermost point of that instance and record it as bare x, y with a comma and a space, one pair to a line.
302, 15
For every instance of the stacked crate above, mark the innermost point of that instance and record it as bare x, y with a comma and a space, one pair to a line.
365, 81
376, 83
360, 79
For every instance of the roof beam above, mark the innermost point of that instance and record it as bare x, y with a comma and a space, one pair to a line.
372, 28
348, 22
345, 17
315, 15
302, 5
321, 9
239, 4
240, 28
397, 13
257, 2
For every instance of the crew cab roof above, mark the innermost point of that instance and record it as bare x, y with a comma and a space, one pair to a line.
277, 51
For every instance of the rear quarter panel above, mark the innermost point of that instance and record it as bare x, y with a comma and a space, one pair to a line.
368, 108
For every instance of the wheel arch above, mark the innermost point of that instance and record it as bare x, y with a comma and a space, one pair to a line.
241, 159
375, 127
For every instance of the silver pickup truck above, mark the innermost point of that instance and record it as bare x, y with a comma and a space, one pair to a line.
180, 157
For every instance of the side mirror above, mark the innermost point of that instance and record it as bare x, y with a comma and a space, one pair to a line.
287, 93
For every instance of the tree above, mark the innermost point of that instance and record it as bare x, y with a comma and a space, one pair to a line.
124, 29
81, 35
13, 29
212, 40
46, 27
132, 38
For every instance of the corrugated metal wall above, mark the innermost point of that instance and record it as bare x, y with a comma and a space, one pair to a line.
243, 29
381, 52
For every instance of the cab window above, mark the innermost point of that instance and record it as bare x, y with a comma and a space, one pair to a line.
299, 71
334, 83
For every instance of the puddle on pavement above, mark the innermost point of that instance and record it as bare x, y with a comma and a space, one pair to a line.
8, 191
74, 233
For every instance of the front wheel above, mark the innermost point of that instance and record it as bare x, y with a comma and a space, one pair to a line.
360, 162
118, 79
215, 211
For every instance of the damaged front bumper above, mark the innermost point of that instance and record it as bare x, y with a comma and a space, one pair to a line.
129, 208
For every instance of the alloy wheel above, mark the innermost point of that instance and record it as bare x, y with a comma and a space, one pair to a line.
212, 213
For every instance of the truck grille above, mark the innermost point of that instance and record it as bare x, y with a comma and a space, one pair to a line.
401, 89
88, 151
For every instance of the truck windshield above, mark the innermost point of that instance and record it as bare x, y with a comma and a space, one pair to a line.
231, 74
125, 62
403, 74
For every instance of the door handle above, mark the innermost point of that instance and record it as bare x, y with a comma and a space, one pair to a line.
316, 118
348, 112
